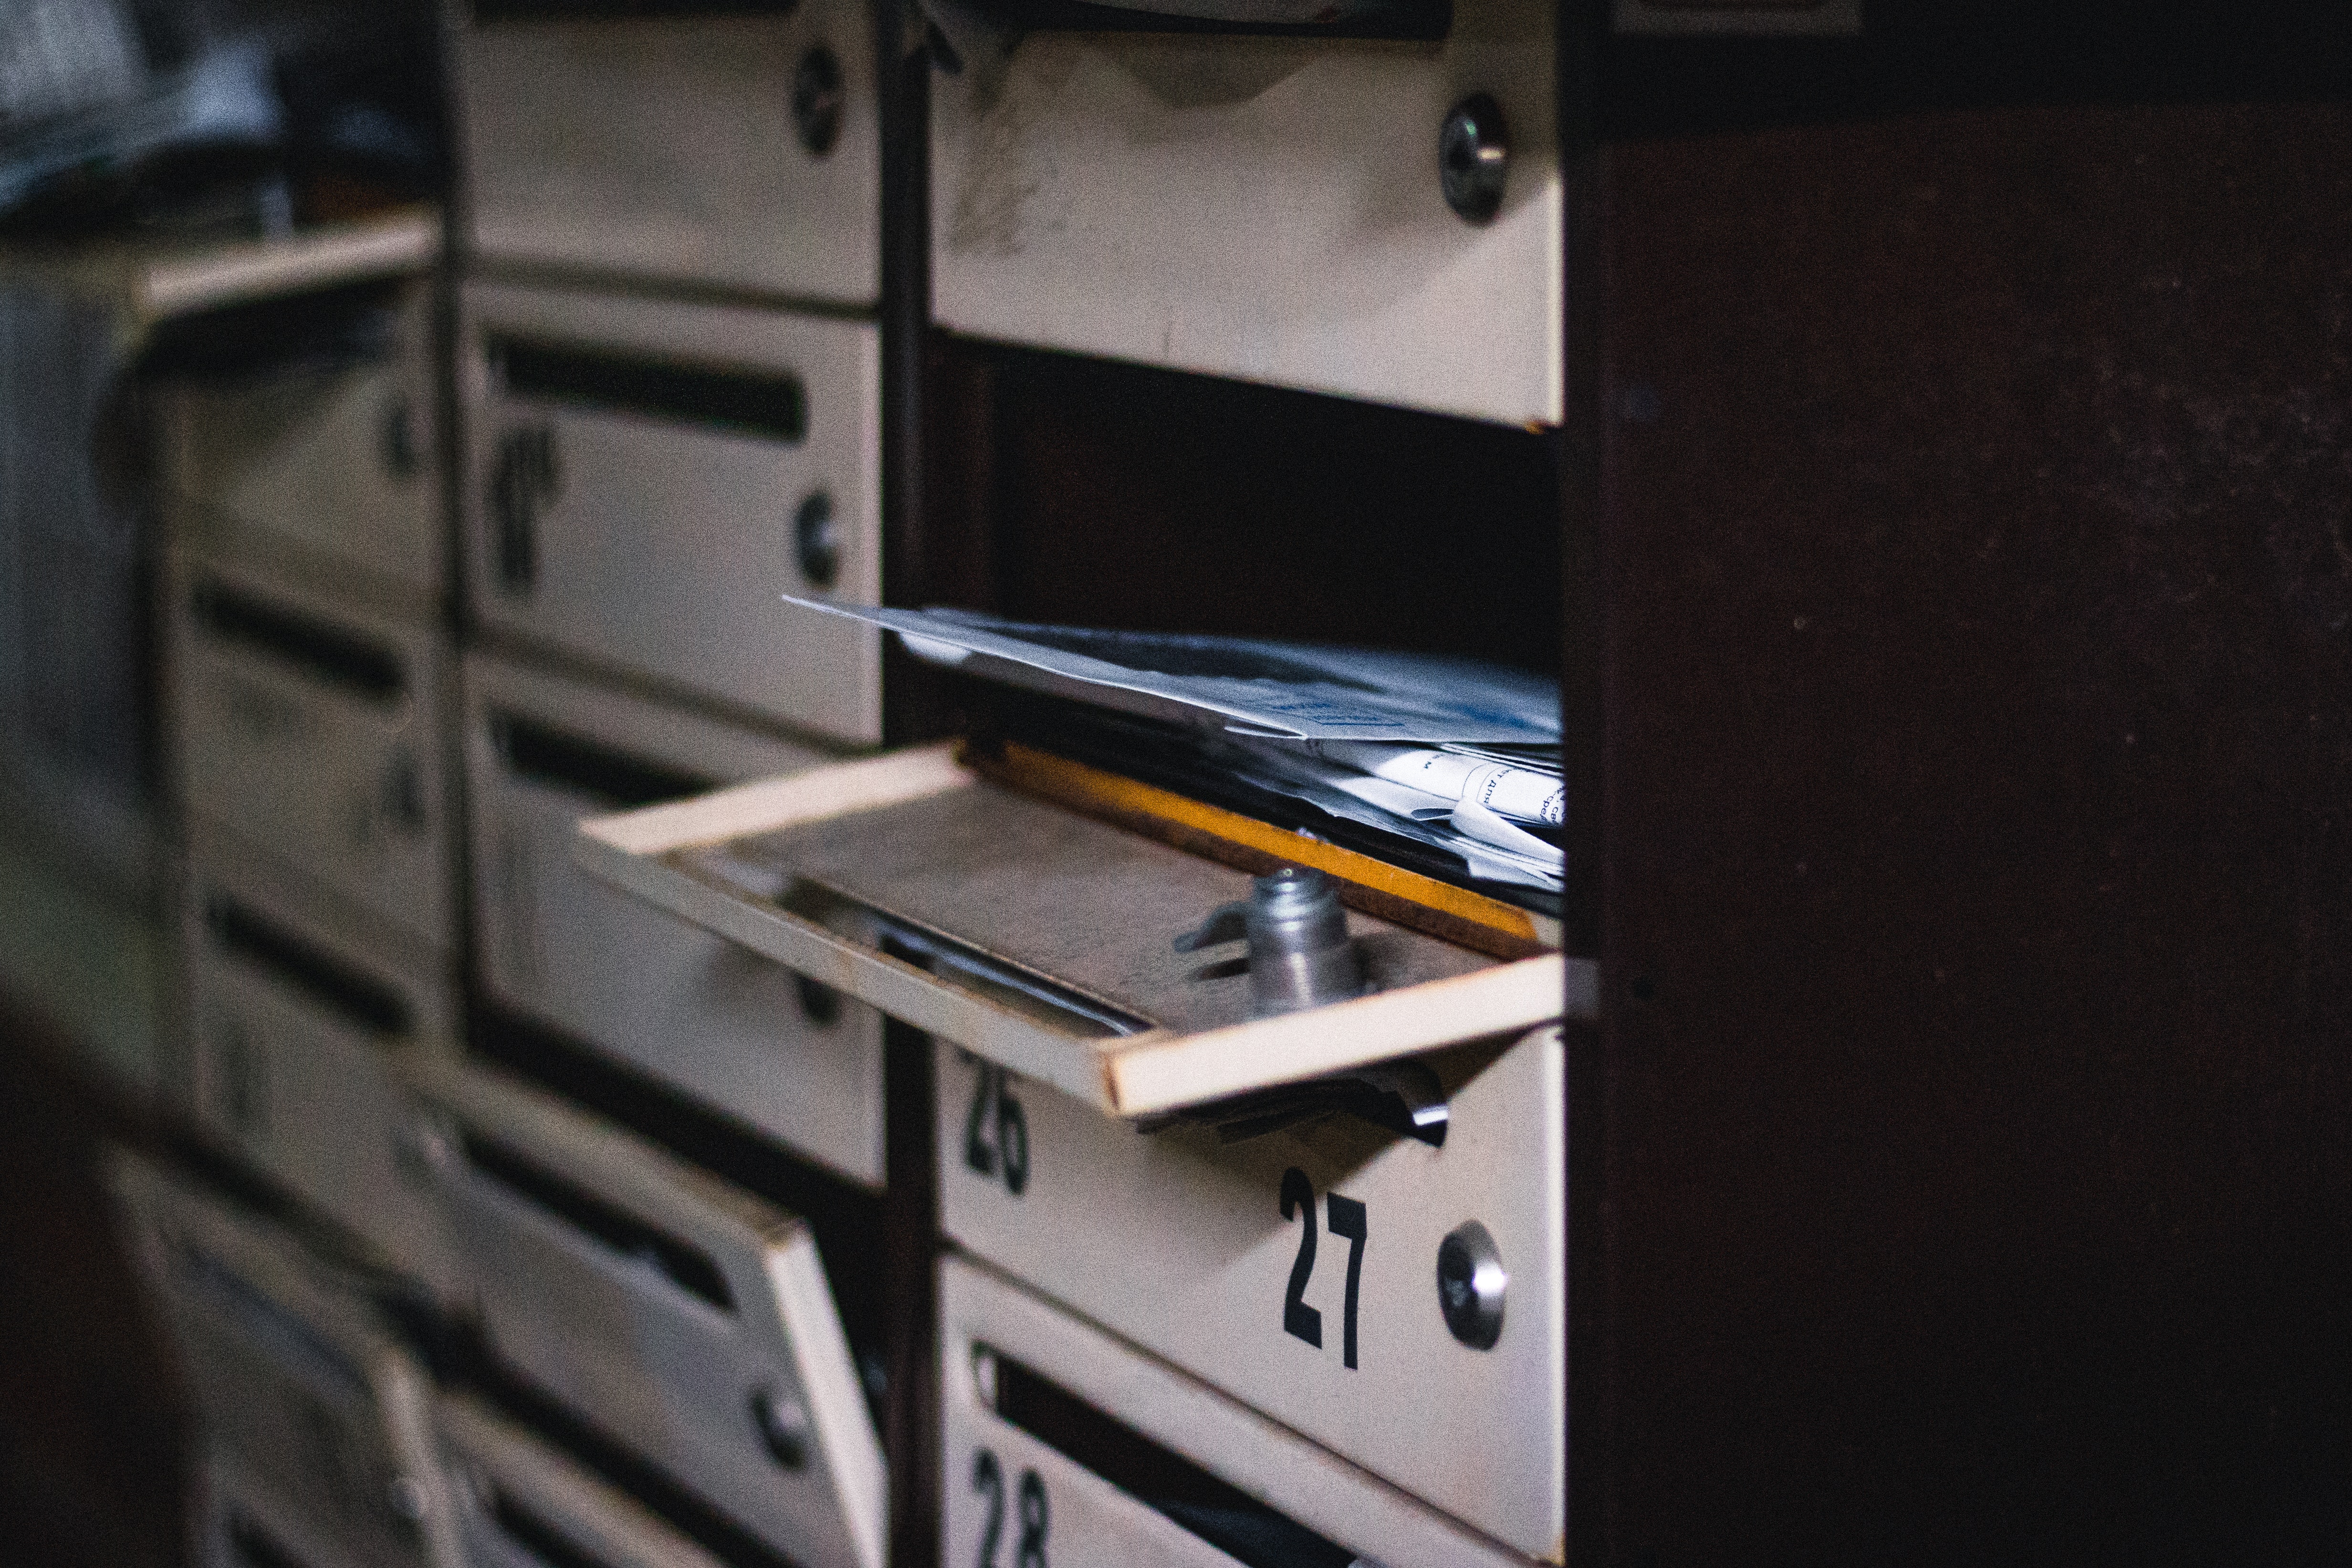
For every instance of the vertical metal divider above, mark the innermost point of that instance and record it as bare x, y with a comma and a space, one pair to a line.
910, 1427
1582, 445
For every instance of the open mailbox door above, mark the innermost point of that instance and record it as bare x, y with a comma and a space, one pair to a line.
1040, 939
680, 1315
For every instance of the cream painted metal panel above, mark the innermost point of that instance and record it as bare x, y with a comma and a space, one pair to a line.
986, 1320
509, 1485
1048, 933
629, 532
304, 1018
326, 474
316, 729
686, 1319
732, 1029
312, 1417
1263, 208
666, 148
1185, 1246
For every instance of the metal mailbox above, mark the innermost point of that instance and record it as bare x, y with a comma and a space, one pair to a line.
786, 1056
1322, 1268
521, 1503
645, 477
316, 1422
316, 729
1062, 1444
1368, 218
319, 460
740, 151
687, 1320
304, 1019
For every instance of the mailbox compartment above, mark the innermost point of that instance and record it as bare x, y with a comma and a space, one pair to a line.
315, 1421
1266, 208
318, 731
522, 1502
1057, 1436
686, 1318
645, 478
783, 1055
304, 1019
300, 435
1285, 1247
1040, 939
692, 144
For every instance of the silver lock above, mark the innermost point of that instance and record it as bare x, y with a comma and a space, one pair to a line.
816, 541
1471, 1285
1299, 954
1473, 158
817, 100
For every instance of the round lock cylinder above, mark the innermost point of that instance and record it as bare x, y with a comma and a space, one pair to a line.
1471, 1285
1474, 159
784, 1427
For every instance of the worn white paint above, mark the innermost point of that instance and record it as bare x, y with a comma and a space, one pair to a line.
324, 777
665, 148
664, 1370
667, 545
1091, 1522
712, 1019
1263, 208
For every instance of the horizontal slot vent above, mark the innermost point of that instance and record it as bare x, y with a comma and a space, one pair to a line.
1226, 1517
541, 1539
681, 1262
255, 1548
580, 766
326, 653
280, 1334
322, 332
769, 403
359, 1000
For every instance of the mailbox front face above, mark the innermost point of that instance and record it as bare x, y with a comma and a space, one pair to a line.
741, 152
328, 468
736, 1031
299, 1028
521, 1503
645, 478
1299, 1270
1063, 1444
317, 731
1269, 209
689, 1321
311, 1415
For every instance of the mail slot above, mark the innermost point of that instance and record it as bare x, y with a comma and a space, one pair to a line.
1291, 1247
1374, 219
686, 1318
316, 1424
689, 142
1041, 939
1062, 1444
238, 1527
301, 434
646, 477
315, 729
783, 1055
303, 1020
522, 1502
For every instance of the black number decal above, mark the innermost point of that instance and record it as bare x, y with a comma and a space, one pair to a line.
986, 1477
1012, 1135
1298, 1318
1010, 1152
977, 1153
1032, 1522
1349, 1219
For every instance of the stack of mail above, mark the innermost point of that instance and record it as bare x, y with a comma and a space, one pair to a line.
1449, 765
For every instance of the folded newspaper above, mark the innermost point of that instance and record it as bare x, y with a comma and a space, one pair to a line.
1435, 757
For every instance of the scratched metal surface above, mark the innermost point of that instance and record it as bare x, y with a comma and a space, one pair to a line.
1089, 905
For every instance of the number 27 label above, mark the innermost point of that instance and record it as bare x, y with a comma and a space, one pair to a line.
1348, 1217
